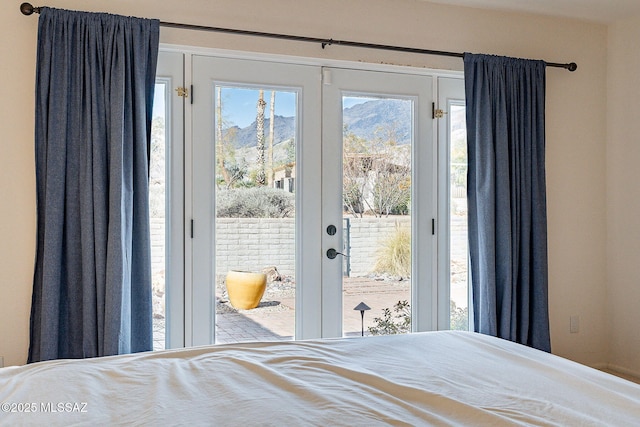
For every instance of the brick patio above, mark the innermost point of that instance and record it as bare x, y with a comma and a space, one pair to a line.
274, 319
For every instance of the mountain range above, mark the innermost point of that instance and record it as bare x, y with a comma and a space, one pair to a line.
368, 120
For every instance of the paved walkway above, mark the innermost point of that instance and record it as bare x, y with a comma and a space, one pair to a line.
274, 319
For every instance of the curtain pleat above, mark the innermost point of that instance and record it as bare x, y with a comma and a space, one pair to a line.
507, 197
94, 93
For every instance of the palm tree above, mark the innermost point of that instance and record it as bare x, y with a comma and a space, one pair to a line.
219, 140
272, 121
261, 178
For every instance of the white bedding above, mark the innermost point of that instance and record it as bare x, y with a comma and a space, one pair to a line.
434, 378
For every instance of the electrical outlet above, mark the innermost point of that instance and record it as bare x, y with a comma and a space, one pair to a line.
574, 324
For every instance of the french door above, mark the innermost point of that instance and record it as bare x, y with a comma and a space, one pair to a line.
228, 167
378, 176
329, 180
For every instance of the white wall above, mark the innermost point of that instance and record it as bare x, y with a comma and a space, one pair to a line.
576, 124
623, 195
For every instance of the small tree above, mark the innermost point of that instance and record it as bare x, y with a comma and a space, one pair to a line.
392, 193
398, 322
376, 173
355, 171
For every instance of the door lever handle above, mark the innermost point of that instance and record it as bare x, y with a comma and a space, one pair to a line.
332, 253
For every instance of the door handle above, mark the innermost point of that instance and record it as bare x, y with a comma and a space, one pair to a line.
332, 253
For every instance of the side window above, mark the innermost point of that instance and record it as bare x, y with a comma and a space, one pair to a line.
166, 202
453, 251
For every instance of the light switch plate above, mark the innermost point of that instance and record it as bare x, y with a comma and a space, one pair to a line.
574, 324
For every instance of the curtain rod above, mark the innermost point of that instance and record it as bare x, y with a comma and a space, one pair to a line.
28, 9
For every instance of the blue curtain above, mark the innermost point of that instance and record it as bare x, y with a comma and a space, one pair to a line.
507, 197
94, 93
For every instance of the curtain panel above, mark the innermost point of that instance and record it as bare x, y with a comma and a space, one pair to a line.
94, 93
507, 197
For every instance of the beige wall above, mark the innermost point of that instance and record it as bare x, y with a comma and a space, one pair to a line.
623, 195
576, 125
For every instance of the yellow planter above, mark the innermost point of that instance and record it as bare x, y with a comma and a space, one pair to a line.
245, 289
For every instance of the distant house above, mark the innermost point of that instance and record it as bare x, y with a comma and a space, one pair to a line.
284, 177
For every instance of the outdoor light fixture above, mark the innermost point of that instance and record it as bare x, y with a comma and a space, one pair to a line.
362, 307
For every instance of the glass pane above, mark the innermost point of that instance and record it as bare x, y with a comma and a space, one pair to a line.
157, 213
377, 138
459, 255
255, 130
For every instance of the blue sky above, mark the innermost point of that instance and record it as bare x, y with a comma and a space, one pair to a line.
239, 104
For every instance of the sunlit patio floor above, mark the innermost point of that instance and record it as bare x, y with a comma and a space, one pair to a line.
274, 318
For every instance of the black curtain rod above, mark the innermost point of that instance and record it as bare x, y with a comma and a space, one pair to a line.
28, 9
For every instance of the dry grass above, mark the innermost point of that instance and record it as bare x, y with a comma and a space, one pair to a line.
394, 255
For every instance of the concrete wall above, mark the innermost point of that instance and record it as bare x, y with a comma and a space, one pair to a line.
252, 244
255, 243
576, 128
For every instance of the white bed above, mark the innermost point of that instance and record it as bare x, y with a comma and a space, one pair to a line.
434, 378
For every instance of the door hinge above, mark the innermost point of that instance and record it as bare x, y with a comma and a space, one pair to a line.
192, 229
436, 113
183, 92
433, 226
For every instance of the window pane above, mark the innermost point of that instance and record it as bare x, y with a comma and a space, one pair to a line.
377, 138
255, 213
459, 255
157, 213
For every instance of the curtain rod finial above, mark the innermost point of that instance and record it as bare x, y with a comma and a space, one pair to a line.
572, 67
28, 9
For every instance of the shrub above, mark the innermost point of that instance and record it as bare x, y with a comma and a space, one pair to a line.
389, 324
394, 254
256, 202
391, 194
459, 318
400, 322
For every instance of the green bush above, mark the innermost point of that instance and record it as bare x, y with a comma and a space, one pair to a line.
399, 321
459, 318
390, 324
394, 254
392, 194
255, 202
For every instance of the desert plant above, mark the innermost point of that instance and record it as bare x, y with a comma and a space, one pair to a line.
394, 254
256, 202
391, 193
459, 318
398, 322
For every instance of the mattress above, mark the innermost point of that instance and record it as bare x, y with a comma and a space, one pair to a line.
433, 378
